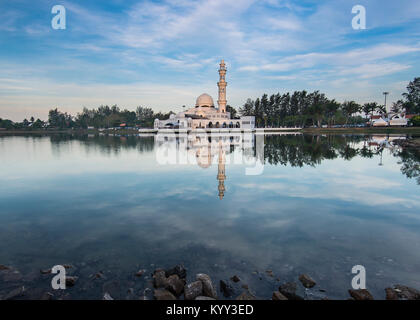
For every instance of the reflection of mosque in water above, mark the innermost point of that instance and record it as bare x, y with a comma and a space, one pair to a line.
203, 148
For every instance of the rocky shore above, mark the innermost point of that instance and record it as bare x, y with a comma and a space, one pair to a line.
172, 284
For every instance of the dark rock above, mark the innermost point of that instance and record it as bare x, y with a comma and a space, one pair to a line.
45, 271
407, 293
193, 290
361, 294
204, 298
235, 278
270, 273
289, 291
208, 289
162, 294
71, 281
245, 286
278, 296
246, 296
175, 285
107, 296
160, 280
179, 270
307, 281
2, 267
16, 293
99, 275
226, 289
147, 294
391, 294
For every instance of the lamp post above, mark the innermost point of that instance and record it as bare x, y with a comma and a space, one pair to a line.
385, 94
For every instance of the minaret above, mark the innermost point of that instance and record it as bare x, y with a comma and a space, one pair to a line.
222, 87
221, 172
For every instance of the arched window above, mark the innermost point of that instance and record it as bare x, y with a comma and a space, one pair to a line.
217, 125
224, 125
238, 125
210, 124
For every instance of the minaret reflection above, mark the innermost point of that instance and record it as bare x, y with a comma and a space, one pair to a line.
202, 149
221, 171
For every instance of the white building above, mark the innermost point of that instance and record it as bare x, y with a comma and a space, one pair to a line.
204, 115
390, 119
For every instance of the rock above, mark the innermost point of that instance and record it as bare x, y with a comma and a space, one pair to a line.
407, 293
246, 296
3, 267
45, 271
98, 275
361, 294
278, 296
193, 290
140, 273
160, 280
391, 294
226, 288
107, 296
47, 296
179, 270
307, 281
245, 286
16, 293
147, 294
162, 294
289, 291
203, 298
208, 289
71, 281
235, 278
175, 285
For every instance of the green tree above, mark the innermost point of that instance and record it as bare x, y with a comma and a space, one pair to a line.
232, 110
412, 96
349, 108
369, 108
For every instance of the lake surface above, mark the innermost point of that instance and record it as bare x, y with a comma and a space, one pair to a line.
224, 206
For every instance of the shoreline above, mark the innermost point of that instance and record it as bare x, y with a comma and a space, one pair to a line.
367, 130
173, 284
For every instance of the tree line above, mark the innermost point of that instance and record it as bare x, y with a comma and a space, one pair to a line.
302, 108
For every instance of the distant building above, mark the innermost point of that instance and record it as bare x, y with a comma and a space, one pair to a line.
205, 115
390, 119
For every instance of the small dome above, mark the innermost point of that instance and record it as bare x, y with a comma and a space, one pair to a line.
204, 100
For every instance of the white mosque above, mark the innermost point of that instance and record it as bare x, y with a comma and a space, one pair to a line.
205, 116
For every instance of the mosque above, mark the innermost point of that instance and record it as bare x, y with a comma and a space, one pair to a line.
205, 116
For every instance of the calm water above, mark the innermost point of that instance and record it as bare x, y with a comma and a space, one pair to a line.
321, 205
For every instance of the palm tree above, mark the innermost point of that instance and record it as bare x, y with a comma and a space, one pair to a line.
350, 108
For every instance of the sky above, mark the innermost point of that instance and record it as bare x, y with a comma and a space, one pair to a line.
164, 54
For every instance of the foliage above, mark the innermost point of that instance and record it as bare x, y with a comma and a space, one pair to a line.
415, 121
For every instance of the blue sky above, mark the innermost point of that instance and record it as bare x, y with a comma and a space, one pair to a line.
163, 54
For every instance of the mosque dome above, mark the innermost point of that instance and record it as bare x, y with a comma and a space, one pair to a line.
204, 100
